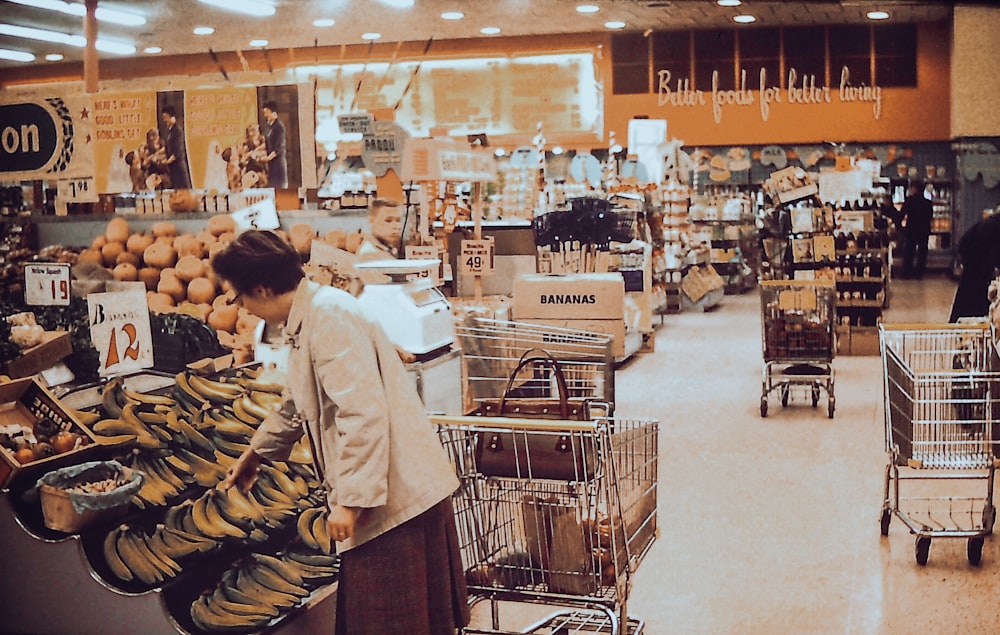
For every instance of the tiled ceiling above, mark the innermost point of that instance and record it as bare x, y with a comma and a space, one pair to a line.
169, 23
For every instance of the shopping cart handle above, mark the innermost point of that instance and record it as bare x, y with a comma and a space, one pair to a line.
514, 423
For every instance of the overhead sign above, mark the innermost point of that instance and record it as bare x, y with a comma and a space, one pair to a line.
31, 137
358, 123
382, 147
444, 160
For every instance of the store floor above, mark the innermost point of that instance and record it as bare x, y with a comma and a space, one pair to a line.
771, 526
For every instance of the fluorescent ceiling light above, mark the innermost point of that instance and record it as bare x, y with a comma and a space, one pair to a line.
119, 48
370, 36
41, 34
614, 24
256, 8
54, 57
324, 22
152, 50
258, 43
729, 3
203, 30
79, 9
587, 8
490, 30
452, 15
399, 4
16, 56
744, 19
877, 15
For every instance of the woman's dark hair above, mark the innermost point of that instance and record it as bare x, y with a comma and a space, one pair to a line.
258, 257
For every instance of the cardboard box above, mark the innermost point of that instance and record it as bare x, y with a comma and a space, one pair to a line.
864, 340
614, 328
55, 345
580, 296
24, 402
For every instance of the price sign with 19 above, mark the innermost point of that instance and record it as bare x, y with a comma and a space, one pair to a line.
47, 284
120, 331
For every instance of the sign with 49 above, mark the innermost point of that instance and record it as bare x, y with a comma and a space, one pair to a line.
120, 331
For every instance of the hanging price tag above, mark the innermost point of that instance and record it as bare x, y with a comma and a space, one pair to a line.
120, 331
47, 284
477, 257
261, 215
426, 252
81, 190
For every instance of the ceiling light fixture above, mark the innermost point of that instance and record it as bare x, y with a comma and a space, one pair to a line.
745, 18
614, 24
44, 35
370, 36
324, 22
152, 50
452, 15
258, 43
728, 3
54, 57
399, 4
16, 56
490, 30
257, 8
877, 15
203, 30
118, 48
78, 9
587, 8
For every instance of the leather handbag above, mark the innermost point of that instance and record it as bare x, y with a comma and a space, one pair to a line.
547, 451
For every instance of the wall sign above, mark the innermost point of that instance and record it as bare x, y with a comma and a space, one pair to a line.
31, 137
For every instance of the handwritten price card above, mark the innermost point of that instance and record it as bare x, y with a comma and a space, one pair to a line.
477, 257
261, 215
47, 284
426, 252
120, 331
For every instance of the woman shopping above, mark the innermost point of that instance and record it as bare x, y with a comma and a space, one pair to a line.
388, 480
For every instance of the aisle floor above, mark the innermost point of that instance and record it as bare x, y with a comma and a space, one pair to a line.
771, 526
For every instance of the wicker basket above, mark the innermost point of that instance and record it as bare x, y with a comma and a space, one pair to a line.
61, 514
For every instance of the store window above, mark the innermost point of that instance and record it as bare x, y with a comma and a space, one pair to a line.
760, 50
672, 52
804, 52
851, 49
896, 55
715, 50
630, 64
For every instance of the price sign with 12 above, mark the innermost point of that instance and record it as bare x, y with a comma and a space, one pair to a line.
120, 331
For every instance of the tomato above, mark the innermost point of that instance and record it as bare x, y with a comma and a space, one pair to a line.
64, 441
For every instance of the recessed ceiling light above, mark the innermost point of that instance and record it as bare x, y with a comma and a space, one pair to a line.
587, 8
204, 30
728, 3
452, 15
79, 10
399, 4
152, 50
370, 36
54, 57
324, 22
490, 30
614, 24
16, 56
878, 15
744, 19
258, 8
258, 43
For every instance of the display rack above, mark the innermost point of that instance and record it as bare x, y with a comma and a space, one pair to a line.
862, 274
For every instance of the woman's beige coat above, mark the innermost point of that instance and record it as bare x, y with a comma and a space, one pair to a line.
371, 436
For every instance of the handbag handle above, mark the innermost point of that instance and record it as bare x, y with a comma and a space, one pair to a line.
533, 356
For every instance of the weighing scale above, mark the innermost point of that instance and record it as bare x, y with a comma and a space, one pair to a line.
411, 309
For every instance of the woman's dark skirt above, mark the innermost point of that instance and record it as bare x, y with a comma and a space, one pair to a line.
408, 581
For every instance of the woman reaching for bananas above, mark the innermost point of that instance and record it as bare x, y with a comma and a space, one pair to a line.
388, 480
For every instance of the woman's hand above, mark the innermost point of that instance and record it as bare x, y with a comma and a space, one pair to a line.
243, 473
341, 520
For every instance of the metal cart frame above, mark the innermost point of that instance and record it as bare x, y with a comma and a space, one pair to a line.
491, 350
799, 340
942, 423
571, 543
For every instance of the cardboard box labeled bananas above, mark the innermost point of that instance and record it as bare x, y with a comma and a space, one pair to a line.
35, 428
51, 349
614, 328
580, 296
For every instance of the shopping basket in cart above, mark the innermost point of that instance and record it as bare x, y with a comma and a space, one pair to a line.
572, 543
799, 342
942, 428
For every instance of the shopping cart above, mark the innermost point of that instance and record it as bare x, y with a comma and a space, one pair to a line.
941, 431
492, 349
572, 543
798, 339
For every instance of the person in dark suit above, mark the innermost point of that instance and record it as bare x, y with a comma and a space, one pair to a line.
916, 214
176, 150
979, 253
274, 137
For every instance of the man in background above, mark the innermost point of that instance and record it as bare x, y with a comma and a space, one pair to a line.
916, 214
274, 138
176, 151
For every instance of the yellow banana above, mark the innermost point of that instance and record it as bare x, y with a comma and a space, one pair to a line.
321, 533
178, 543
209, 619
249, 585
185, 392
206, 473
304, 526
120, 426
190, 432
160, 559
253, 408
136, 558
270, 577
215, 517
145, 398
216, 392
295, 557
115, 562
110, 398
258, 611
86, 417
232, 428
230, 448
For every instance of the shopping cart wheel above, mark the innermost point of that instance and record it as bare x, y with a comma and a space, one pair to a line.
922, 549
885, 520
975, 550
989, 518
830, 407
763, 406
784, 396
815, 395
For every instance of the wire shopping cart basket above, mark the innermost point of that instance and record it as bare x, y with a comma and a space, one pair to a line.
492, 349
571, 540
799, 341
942, 392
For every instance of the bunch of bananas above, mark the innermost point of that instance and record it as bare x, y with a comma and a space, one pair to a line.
313, 531
151, 557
